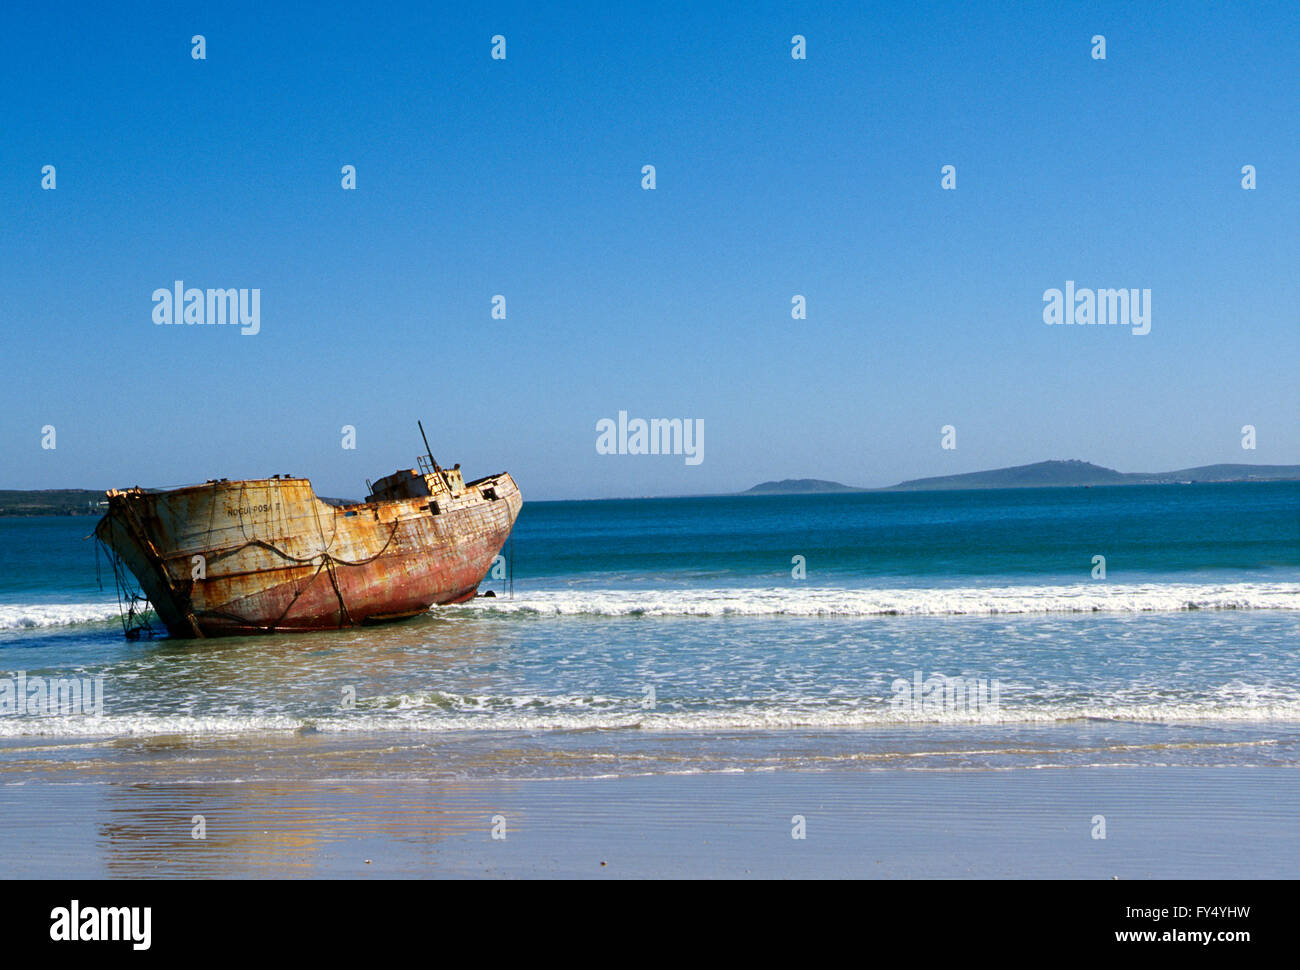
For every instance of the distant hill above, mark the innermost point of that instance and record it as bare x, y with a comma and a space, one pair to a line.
1047, 474
1225, 473
1043, 474
799, 486
58, 501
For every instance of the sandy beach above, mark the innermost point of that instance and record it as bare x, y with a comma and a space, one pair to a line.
1226, 822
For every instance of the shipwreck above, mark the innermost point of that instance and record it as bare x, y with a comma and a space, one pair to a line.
268, 556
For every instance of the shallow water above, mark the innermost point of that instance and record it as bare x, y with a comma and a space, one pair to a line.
672, 635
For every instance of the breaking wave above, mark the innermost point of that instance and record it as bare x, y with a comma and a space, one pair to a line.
32, 616
739, 719
1100, 597
814, 601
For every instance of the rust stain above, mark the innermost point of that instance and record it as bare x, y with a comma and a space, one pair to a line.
274, 557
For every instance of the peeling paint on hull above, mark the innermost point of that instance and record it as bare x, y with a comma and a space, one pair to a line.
267, 555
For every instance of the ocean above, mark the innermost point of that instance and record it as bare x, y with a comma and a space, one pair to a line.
723, 634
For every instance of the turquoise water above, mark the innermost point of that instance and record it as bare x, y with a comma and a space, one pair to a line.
918, 539
678, 635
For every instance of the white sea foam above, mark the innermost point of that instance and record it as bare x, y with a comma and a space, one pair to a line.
30, 616
1100, 597
741, 719
144, 725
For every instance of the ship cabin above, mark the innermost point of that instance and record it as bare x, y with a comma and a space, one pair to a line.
430, 479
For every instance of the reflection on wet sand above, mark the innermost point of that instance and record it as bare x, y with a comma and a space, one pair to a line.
295, 805
282, 828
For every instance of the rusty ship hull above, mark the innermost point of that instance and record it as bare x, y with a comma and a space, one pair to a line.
268, 556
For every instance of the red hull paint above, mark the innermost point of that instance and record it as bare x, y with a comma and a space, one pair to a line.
232, 558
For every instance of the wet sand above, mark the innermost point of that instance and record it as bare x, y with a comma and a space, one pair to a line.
1172, 822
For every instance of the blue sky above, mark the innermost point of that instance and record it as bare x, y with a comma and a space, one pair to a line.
522, 177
